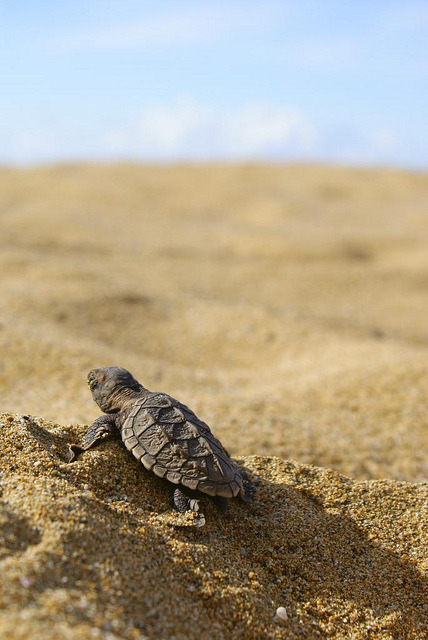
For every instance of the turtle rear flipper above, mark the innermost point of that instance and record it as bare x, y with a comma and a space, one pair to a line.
184, 503
102, 428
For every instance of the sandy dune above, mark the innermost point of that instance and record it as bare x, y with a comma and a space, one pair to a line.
287, 305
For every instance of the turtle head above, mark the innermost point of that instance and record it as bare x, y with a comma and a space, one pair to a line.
111, 387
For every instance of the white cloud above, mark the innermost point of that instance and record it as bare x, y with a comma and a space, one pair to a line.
258, 127
384, 140
188, 130
168, 130
181, 130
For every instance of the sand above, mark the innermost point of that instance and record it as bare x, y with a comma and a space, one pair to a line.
92, 549
287, 306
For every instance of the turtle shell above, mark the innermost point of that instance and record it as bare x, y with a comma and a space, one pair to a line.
170, 440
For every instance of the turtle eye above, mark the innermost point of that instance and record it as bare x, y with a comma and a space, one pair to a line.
92, 381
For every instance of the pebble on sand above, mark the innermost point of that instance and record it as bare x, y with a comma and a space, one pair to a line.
281, 614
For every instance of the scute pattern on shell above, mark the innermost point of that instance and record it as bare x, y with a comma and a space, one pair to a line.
175, 444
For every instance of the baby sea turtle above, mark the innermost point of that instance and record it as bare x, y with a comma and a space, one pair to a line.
166, 436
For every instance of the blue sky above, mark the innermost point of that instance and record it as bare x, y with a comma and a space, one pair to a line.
324, 81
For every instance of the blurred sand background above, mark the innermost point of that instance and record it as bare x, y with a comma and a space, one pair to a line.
286, 305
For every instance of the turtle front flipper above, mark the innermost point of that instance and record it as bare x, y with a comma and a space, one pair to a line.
103, 427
